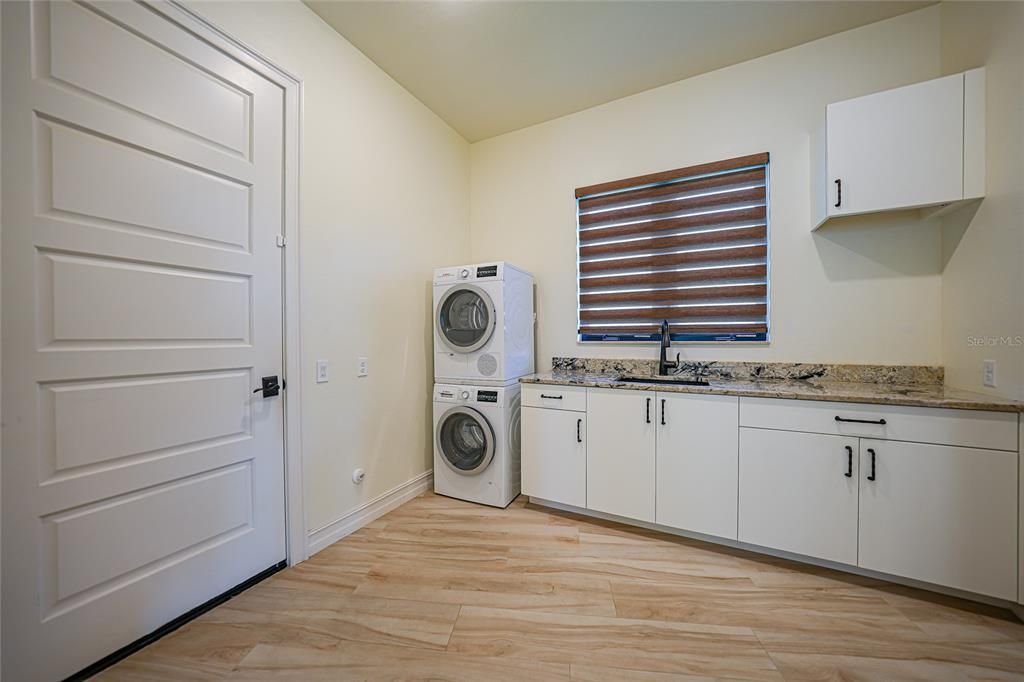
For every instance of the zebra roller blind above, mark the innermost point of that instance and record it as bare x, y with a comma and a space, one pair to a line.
688, 245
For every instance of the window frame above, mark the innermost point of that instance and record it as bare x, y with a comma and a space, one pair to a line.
743, 338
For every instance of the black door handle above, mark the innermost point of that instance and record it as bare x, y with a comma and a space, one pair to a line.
849, 462
662, 411
880, 422
839, 192
872, 477
648, 410
270, 386
579, 423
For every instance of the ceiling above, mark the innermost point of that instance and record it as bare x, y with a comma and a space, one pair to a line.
491, 67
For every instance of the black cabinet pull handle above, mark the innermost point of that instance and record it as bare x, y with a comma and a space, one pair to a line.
880, 422
662, 411
872, 477
579, 423
648, 410
849, 462
839, 192
551, 397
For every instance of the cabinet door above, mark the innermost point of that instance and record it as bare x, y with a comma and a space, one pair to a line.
798, 493
620, 452
897, 149
697, 463
554, 455
941, 514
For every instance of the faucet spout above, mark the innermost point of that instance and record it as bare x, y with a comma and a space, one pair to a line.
664, 364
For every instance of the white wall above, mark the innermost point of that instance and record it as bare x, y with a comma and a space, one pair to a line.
383, 200
866, 292
983, 246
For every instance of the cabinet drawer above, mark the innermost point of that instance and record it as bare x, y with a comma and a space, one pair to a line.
556, 397
967, 428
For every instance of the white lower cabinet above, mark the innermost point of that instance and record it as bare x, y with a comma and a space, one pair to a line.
620, 452
940, 514
839, 482
798, 493
697, 462
554, 455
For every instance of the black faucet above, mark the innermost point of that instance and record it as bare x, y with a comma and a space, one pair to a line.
664, 364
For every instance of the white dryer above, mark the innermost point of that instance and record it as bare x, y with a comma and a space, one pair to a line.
483, 324
476, 443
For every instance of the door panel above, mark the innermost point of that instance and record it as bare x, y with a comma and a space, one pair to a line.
795, 494
620, 452
697, 463
142, 198
554, 455
898, 148
941, 514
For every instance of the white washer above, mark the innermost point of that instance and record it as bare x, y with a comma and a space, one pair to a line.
476, 443
483, 324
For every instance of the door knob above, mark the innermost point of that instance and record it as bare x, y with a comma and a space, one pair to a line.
270, 386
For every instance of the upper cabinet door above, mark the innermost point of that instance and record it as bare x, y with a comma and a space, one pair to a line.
697, 463
900, 148
620, 452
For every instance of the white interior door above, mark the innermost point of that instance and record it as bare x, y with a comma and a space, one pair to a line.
142, 195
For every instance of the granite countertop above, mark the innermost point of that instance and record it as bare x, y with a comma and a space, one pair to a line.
919, 395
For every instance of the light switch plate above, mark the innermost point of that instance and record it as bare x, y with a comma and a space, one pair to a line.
988, 375
362, 367
321, 371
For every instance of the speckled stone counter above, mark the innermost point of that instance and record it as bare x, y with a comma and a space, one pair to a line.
878, 393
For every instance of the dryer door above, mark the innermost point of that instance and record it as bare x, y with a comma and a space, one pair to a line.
465, 318
465, 440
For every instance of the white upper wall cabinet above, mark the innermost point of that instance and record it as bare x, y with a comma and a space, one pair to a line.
918, 146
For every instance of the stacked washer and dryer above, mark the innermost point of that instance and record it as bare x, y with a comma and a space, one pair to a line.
483, 342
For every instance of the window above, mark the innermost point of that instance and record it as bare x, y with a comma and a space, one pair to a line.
689, 246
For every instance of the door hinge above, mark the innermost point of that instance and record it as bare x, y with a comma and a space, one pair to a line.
281, 240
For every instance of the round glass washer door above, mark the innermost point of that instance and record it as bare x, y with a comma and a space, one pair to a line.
465, 318
465, 440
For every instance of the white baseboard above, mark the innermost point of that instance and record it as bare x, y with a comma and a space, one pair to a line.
375, 508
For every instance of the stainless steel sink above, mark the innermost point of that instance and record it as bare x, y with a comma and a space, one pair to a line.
664, 380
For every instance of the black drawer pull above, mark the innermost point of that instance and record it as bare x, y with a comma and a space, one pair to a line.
648, 410
849, 462
579, 423
872, 477
880, 422
551, 397
662, 411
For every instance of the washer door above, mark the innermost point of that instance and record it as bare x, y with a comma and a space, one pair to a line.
465, 440
465, 318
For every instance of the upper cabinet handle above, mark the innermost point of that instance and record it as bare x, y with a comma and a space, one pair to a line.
648, 410
849, 462
881, 422
839, 192
551, 397
662, 411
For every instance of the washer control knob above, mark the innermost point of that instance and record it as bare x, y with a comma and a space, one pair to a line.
464, 273
465, 395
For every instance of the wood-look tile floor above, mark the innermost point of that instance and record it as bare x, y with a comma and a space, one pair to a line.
446, 590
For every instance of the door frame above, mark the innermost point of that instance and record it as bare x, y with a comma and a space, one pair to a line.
296, 546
